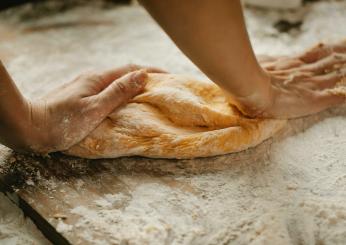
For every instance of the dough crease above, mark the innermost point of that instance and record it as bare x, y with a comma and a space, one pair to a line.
175, 117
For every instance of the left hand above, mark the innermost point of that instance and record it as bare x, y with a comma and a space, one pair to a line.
69, 113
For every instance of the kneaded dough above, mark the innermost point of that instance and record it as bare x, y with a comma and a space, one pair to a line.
176, 117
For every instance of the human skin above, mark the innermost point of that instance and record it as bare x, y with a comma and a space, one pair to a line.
213, 35
69, 113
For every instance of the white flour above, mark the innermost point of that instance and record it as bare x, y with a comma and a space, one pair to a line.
296, 195
15, 228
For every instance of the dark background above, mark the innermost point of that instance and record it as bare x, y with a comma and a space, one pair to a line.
4, 4
9, 3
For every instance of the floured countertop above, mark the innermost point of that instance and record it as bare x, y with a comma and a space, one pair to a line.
289, 190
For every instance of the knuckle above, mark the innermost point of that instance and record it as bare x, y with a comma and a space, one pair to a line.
95, 77
91, 76
132, 67
121, 87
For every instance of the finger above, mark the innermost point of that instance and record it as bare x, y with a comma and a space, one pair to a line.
315, 53
120, 91
327, 63
108, 76
269, 62
100, 80
150, 69
329, 80
329, 98
291, 75
322, 50
284, 64
115, 73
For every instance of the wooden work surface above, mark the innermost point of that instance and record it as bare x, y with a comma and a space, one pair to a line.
48, 189
134, 200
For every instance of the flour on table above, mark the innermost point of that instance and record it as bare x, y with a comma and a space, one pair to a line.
294, 196
15, 228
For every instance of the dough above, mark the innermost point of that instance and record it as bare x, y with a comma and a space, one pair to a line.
176, 117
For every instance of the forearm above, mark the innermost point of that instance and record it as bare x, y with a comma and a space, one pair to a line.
13, 112
213, 35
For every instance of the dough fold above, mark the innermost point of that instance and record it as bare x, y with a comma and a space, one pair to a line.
176, 117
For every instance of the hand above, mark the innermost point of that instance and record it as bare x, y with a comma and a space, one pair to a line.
69, 113
302, 85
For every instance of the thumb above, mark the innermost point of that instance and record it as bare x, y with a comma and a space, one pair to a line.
122, 90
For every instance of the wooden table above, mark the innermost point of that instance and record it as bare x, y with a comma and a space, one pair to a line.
127, 200
49, 189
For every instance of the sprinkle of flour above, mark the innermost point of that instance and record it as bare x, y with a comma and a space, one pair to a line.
15, 228
295, 195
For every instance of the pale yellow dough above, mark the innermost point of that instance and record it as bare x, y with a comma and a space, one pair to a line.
176, 117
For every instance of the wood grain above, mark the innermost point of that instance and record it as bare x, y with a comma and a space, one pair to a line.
47, 189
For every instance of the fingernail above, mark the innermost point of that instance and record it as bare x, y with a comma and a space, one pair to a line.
140, 78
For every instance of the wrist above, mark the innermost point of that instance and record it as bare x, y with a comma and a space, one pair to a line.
34, 133
257, 101
13, 125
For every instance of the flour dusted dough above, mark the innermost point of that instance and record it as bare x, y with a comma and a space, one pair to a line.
176, 117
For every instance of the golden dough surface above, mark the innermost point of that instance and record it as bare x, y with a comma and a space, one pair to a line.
175, 117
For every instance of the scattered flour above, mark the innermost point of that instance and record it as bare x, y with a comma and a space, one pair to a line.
15, 228
295, 194
62, 227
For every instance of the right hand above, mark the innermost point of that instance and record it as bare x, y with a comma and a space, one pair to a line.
301, 85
